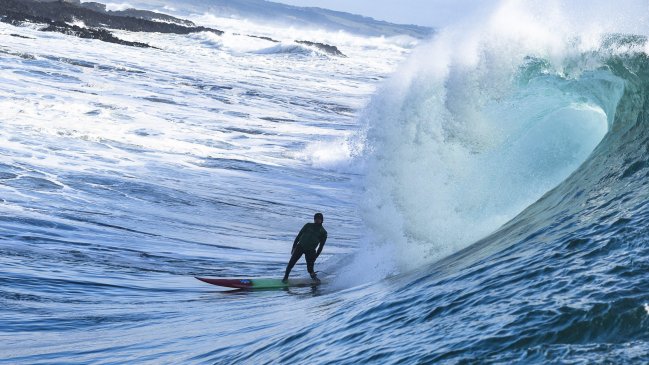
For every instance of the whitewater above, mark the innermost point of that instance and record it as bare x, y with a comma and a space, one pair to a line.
485, 192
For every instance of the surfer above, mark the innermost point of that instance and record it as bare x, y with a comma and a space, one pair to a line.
312, 235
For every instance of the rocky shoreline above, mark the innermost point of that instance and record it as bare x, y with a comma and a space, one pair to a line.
92, 20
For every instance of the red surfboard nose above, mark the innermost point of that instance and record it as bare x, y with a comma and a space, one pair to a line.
230, 283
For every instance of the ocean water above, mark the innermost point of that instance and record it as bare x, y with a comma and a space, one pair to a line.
485, 193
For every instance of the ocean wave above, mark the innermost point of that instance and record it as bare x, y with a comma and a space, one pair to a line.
471, 131
290, 48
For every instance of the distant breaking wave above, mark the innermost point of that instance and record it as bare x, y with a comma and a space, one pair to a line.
290, 48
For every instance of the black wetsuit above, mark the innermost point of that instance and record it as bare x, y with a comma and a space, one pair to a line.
305, 244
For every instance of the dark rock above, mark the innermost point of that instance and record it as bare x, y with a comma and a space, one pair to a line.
332, 50
57, 15
91, 33
17, 18
264, 38
20, 36
67, 12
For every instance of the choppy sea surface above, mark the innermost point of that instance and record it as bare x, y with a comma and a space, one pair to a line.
485, 194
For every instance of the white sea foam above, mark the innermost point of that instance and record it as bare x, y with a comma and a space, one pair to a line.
332, 154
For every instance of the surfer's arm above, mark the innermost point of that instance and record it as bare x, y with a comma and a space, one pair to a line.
319, 249
321, 245
297, 239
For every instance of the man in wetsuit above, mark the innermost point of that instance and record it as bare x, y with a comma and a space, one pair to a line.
310, 236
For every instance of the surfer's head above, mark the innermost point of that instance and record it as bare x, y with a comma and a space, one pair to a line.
318, 218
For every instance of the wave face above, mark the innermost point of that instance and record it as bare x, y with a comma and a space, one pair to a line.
475, 128
486, 204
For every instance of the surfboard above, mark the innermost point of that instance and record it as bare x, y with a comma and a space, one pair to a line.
257, 283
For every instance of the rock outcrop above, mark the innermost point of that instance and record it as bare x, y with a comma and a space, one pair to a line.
64, 17
70, 13
92, 20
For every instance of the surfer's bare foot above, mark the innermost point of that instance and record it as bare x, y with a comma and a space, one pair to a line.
285, 280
